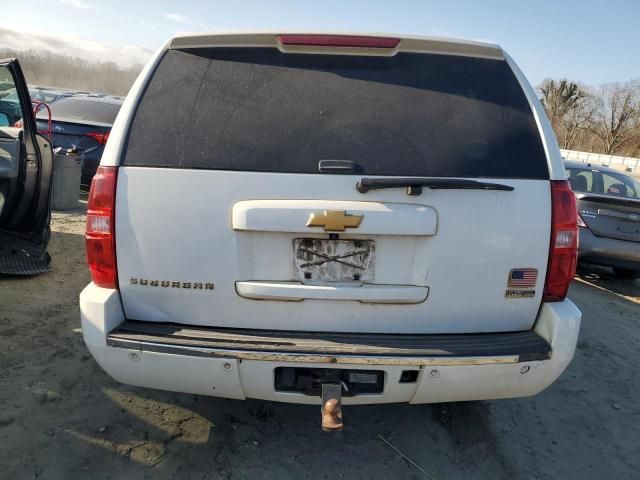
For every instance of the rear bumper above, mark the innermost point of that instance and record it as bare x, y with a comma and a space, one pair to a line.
240, 365
608, 252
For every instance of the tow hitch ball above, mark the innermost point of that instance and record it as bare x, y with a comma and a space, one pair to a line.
331, 407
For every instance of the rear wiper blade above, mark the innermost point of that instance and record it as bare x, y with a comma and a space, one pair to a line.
414, 184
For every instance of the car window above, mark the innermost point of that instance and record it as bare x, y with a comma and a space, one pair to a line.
258, 109
81, 109
10, 108
607, 183
620, 185
580, 180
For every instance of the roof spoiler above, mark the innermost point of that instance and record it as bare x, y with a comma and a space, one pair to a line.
414, 44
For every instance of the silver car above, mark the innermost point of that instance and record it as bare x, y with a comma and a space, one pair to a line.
609, 217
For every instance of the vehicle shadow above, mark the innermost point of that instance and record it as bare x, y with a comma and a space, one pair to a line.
604, 278
187, 436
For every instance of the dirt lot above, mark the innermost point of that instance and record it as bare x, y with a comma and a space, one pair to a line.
61, 417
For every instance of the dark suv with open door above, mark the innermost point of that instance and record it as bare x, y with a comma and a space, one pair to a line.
25, 179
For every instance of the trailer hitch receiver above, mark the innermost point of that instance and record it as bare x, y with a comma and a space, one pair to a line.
331, 407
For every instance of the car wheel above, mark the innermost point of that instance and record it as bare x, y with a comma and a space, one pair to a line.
626, 273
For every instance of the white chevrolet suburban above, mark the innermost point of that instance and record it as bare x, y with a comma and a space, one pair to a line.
279, 213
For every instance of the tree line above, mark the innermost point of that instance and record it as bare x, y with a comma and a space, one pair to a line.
63, 71
605, 119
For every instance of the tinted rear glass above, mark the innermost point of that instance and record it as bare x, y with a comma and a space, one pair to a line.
258, 109
82, 110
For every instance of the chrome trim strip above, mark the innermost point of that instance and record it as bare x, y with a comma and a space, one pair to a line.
308, 358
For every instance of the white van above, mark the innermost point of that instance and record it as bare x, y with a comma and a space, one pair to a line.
275, 213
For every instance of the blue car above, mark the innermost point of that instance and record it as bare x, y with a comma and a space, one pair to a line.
81, 122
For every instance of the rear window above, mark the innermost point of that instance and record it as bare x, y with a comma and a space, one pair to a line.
257, 109
603, 183
82, 110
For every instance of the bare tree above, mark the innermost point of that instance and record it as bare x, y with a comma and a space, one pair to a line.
569, 108
559, 97
617, 115
576, 122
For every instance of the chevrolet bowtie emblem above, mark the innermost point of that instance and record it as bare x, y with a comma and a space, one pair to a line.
334, 220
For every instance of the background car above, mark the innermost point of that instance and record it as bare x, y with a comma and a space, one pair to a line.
81, 122
49, 95
6, 88
10, 107
609, 208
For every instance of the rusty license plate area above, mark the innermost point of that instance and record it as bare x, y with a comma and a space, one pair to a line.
319, 260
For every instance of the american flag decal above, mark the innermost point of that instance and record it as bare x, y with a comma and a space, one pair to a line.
522, 278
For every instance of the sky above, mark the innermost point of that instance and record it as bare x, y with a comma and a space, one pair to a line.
588, 41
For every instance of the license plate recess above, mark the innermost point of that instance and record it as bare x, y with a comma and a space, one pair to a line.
319, 260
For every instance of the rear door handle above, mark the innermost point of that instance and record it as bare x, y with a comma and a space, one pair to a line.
338, 166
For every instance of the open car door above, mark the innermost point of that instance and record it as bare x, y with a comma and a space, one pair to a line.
25, 179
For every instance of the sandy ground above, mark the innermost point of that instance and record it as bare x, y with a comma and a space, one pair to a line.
61, 417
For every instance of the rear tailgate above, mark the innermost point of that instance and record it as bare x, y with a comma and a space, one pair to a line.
224, 219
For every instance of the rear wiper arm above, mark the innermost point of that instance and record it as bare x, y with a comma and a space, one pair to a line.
414, 184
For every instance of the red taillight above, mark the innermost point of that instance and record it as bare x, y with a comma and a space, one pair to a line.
563, 251
339, 41
100, 233
100, 137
